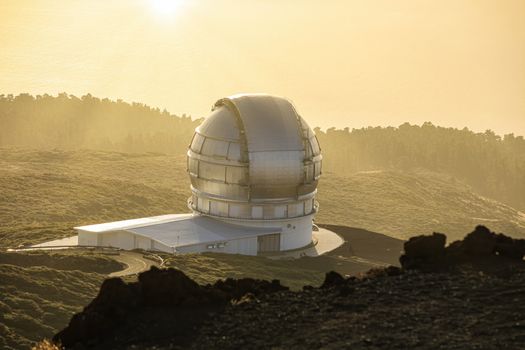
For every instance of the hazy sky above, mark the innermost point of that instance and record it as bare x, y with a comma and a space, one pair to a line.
343, 63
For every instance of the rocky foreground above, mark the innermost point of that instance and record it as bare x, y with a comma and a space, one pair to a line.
467, 295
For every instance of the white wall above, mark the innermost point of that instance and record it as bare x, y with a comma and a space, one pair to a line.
120, 239
117, 239
298, 235
87, 238
162, 247
143, 242
295, 232
245, 246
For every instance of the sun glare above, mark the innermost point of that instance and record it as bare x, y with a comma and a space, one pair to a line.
165, 7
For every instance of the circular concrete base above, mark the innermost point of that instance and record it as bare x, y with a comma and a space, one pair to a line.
323, 241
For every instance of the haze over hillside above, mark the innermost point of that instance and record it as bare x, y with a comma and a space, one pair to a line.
493, 165
67, 161
419, 111
47, 192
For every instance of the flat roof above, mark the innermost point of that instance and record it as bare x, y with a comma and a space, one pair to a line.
126, 224
197, 229
177, 230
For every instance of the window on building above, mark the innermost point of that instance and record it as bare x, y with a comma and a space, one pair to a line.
236, 175
234, 151
215, 148
309, 172
211, 171
308, 207
268, 212
196, 143
280, 211
317, 169
315, 145
219, 208
193, 166
240, 211
203, 204
257, 212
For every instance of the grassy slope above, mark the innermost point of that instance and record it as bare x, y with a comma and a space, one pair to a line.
402, 205
39, 293
44, 194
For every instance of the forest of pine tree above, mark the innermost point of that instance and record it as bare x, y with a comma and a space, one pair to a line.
492, 165
69, 122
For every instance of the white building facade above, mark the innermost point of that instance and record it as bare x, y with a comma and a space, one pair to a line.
254, 165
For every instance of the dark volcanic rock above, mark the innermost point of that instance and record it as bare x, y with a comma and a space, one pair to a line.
167, 287
105, 313
478, 247
440, 298
115, 293
157, 291
332, 279
510, 248
480, 242
236, 288
424, 252
426, 246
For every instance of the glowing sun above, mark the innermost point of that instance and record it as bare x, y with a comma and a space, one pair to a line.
165, 7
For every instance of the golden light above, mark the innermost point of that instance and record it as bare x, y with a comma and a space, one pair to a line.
165, 7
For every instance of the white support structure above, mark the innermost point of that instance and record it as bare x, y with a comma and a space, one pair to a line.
254, 165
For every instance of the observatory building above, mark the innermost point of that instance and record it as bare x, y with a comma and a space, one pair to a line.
254, 164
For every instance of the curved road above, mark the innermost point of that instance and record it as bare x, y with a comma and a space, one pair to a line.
134, 261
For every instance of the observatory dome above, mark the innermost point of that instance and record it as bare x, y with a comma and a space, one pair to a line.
254, 158
254, 165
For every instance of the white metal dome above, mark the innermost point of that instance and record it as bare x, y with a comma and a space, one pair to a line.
254, 158
254, 165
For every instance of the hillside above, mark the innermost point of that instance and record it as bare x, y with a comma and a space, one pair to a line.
68, 122
410, 203
46, 193
492, 165
39, 292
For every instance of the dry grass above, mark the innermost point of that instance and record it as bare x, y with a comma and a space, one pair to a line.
46, 193
43, 194
46, 345
402, 205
